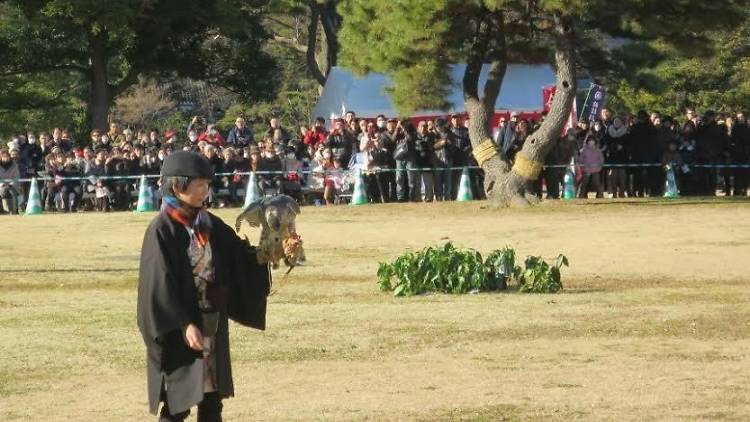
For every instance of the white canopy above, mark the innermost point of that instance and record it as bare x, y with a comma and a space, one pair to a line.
521, 91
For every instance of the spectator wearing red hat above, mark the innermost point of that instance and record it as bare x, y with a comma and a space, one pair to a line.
170, 137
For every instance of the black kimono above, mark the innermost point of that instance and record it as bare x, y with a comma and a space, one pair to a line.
168, 302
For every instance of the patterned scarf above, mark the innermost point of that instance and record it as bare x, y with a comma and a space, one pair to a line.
195, 219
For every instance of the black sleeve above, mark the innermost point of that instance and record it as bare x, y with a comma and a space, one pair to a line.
248, 282
160, 310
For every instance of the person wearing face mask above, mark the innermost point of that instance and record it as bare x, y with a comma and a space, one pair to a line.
217, 166
387, 142
192, 142
270, 183
561, 154
341, 142
9, 174
407, 177
425, 149
617, 140
292, 168
58, 140
62, 194
94, 171
117, 166
688, 152
318, 135
444, 150
591, 160
32, 154
151, 166
230, 164
277, 131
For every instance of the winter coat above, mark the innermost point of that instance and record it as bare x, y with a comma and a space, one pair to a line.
591, 159
168, 302
240, 137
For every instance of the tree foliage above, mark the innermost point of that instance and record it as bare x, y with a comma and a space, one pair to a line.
102, 47
655, 77
415, 40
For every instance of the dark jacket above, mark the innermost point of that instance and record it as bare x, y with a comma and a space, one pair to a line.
168, 301
341, 146
462, 151
504, 136
711, 142
444, 155
425, 148
644, 147
240, 137
739, 144
617, 147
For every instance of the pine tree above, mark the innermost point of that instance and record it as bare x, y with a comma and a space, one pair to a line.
415, 41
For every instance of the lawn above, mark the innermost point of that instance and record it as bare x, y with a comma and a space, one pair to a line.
653, 322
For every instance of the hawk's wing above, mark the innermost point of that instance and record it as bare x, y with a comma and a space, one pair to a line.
253, 214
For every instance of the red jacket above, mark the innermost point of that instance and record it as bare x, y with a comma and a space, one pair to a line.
218, 139
315, 138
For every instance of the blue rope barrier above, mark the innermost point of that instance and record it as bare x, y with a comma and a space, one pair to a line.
368, 171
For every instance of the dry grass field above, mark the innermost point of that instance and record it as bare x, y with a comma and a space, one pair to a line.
653, 323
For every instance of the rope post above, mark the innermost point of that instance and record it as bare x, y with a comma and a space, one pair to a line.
670, 185
569, 183
34, 205
145, 197
252, 193
464, 188
359, 196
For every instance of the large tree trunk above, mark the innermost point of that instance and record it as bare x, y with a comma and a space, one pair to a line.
100, 99
489, 43
319, 64
508, 185
313, 64
331, 21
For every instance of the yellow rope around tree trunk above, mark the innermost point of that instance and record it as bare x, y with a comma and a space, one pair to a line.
526, 167
484, 151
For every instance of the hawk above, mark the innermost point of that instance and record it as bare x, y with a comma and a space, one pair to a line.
278, 234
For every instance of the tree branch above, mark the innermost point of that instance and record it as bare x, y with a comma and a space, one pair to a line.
331, 23
129, 79
46, 103
45, 69
289, 42
312, 38
499, 62
280, 22
475, 60
541, 141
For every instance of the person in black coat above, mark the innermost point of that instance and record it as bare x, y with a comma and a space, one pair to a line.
195, 273
644, 150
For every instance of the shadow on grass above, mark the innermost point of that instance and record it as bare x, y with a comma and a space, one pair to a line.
67, 270
697, 200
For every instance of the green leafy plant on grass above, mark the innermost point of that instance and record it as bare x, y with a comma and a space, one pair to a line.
450, 270
540, 277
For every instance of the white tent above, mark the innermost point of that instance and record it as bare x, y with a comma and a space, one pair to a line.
521, 91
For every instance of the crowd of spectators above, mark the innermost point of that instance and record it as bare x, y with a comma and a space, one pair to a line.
401, 161
699, 149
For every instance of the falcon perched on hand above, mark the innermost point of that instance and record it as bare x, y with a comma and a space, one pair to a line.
278, 235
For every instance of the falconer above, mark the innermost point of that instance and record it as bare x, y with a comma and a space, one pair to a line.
195, 273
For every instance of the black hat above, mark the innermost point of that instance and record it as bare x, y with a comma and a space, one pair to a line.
187, 164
